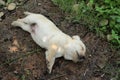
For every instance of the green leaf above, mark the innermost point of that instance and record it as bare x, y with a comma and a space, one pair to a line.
118, 20
9, 1
107, 1
23, 77
115, 37
113, 17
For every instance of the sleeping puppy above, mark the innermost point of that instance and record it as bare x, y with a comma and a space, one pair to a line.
48, 36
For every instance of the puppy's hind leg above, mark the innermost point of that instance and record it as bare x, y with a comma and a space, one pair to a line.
17, 23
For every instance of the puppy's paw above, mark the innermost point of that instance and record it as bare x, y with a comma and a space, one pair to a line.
16, 23
49, 68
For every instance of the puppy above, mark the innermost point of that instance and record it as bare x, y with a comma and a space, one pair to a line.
48, 36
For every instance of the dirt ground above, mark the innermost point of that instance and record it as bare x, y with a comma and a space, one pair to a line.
22, 59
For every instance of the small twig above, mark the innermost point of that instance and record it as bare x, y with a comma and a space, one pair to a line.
28, 53
57, 77
25, 1
86, 72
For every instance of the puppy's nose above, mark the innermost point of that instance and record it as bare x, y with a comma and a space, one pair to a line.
81, 58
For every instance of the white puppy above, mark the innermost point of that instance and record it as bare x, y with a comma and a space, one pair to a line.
48, 36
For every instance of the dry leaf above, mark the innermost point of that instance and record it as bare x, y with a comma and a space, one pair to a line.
15, 42
13, 49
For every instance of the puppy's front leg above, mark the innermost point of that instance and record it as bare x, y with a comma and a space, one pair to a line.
50, 57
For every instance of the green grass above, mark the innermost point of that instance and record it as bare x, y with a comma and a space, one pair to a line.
101, 16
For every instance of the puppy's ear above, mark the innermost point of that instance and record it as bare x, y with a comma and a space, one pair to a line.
76, 37
33, 26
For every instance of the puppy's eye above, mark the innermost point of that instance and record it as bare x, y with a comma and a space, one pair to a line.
33, 24
25, 23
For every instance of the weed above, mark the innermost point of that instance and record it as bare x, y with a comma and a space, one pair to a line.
9, 1
100, 16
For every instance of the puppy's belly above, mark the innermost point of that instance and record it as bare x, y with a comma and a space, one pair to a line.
59, 53
39, 40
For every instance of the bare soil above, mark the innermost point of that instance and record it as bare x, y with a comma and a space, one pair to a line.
22, 59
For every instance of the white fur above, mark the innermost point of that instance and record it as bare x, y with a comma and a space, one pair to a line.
48, 36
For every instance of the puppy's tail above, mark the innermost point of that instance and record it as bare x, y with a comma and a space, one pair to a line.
27, 13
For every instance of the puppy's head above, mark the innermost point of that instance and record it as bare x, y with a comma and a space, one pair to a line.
75, 49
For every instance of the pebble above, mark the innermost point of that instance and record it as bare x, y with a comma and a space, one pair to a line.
75, 7
11, 6
1, 14
109, 37
103, 22
2, 2
39, 4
